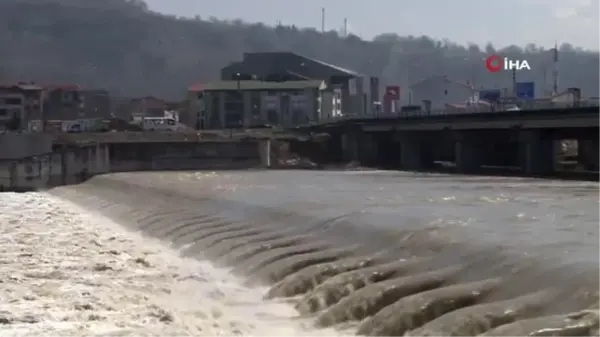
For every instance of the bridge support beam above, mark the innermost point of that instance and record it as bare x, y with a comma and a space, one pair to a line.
537, 148
411, 158
469, 151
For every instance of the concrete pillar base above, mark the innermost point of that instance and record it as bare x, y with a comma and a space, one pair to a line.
368, 145
538, 152
410, 151
265, 153
349, 147
468, 152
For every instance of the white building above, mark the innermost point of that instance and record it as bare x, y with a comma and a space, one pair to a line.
441, 91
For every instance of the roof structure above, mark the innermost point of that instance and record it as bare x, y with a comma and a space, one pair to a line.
65, 87
442, 78
266, 64
263, 85
21, 86
196, 87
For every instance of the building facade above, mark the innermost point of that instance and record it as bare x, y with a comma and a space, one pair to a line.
97, 103
62, 102
243, 104
439, 92
19, 103
148, 106
349, 92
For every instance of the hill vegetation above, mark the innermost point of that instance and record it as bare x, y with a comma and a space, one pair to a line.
122, 46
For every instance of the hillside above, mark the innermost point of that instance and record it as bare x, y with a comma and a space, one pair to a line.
121, 46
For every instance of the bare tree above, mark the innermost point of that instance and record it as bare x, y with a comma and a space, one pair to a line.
122, 46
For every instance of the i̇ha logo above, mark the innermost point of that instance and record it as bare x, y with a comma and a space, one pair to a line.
496, 63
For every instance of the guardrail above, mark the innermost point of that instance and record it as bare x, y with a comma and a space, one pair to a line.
499, 108
225, 135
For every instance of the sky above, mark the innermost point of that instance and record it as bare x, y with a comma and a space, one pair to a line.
502, 22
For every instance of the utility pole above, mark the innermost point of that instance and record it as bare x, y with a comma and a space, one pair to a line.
345, 27
545, 83
555, 72
322, 20
514, 82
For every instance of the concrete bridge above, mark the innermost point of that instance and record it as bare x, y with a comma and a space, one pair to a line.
129, 137
526, 139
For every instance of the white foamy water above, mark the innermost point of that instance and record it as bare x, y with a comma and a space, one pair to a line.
64, 271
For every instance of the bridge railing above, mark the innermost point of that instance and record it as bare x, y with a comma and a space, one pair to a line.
474, 109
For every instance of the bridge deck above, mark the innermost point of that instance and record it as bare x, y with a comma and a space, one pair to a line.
170, 137
550, 118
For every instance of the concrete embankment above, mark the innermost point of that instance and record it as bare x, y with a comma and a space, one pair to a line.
371, 281
28, 168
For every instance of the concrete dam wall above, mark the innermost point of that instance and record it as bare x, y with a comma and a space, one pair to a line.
40, 167
366, 280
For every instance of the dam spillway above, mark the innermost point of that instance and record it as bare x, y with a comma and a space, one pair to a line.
377, 253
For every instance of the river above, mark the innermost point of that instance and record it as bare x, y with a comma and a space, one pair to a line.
148, 289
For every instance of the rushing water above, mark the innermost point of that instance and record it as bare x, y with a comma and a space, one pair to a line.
555, 222
554, 217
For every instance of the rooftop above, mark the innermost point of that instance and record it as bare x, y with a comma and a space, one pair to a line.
441, 79
21, 86
261, 85
266, 64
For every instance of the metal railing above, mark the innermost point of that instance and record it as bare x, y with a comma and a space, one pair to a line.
497, 108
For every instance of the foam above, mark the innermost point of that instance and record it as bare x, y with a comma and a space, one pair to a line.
66, 271
316, 265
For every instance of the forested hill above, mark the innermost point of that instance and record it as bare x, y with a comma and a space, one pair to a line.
122, 46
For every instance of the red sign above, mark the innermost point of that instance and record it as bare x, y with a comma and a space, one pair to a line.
393, 92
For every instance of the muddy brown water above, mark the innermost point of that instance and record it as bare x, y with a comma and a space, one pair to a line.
381, 253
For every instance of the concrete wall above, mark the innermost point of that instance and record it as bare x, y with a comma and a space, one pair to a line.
19, 145
187, 156
67, 166
262, 107
74, 165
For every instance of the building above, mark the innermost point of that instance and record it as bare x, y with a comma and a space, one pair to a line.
19, 103
439, 92
62, 102
285, 66
349, 92
247, 103
148, 106
193, 110
97, 103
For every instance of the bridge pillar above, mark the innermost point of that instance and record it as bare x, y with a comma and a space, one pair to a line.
469, 151
350, 147
368, 145
410, 151
587, 152
537, 148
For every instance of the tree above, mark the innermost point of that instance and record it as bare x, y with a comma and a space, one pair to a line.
122, 46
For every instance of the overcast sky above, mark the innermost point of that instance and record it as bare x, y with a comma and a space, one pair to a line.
502, 22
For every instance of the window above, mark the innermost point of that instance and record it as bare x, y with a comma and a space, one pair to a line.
215, 111
234, 104
170, 122
255, 104
272, 116
67, 97
12, 101
233, 120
